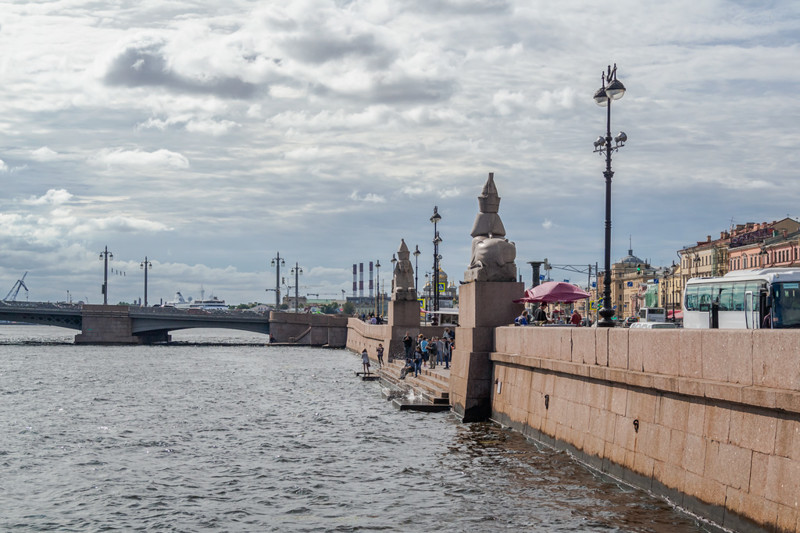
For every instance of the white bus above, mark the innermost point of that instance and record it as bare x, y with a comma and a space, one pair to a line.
652, 314
744, 299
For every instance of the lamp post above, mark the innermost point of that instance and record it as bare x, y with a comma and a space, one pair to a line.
612, 89
416, 270
105, 255
296, 271
436, 240
278, 261
427, 295
378, 288
145, 265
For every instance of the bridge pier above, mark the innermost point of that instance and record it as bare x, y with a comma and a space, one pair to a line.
112, 324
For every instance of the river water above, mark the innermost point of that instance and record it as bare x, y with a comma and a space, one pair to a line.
219, 433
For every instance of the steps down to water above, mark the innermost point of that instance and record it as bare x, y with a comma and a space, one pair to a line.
428, 392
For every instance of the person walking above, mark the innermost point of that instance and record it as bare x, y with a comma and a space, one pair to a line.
380, 355
365, 361
448, 351
440, 342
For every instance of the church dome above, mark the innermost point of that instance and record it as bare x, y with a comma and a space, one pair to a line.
630, 259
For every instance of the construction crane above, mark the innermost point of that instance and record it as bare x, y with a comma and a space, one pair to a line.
20, 284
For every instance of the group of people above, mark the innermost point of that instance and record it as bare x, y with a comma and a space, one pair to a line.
433, 351
541, 316
365, 358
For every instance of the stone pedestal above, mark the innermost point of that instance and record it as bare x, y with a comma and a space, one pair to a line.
404, 313
483, 305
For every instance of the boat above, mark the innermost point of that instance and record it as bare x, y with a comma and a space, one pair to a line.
212, 304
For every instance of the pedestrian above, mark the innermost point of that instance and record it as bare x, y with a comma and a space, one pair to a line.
522, 320
540, 315
440, 350
432, 353
380, 355
417, 361
365, 361
408, 344
576, 318
448, 352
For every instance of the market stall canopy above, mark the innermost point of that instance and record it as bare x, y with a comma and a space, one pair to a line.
553, 291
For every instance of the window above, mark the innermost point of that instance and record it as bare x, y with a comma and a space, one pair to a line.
737, 297
724, 291
691, 298
704, 297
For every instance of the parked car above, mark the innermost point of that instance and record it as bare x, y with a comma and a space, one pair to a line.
630, 320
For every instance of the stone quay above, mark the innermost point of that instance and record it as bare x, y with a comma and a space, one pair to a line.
708, 419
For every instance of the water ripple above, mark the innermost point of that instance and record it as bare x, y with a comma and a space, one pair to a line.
238, 437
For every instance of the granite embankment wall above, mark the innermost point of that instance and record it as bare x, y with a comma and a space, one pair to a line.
362, 335
309, 329
711, 419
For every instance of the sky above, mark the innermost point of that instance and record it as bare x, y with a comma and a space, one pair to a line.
210, 136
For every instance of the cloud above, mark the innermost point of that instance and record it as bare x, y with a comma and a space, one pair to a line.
44, 154
51, 197
3, 166
368, 198
143, 63
139, 158
547, 224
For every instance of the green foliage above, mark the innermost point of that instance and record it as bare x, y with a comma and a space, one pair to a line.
349, 308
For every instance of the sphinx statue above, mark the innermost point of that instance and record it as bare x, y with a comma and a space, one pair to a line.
403, 279
492, 254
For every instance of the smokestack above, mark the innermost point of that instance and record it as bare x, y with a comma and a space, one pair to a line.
370, 279
361, 280
355, 280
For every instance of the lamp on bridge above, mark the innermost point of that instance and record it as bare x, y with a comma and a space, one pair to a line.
612, 89
296, 271
145, 265
105, 255
278, 261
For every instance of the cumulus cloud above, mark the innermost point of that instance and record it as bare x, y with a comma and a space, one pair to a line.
144, 63
44, 154
51, 197
547, 224
139, 158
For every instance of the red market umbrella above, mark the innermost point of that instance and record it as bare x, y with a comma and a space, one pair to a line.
553, 291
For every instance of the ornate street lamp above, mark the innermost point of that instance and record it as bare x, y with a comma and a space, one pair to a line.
145, 265
612, 89
105, 255
416, 270
278, 261
436, 240
378, 289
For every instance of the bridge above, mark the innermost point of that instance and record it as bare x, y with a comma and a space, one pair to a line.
121, 324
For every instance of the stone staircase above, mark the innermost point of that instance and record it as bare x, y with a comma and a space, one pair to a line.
427, 392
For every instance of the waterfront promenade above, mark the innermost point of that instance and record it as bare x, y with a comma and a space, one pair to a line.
709, 420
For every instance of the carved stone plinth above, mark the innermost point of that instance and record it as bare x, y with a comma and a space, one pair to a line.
483, 306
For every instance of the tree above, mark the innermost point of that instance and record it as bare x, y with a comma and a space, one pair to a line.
348, 308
